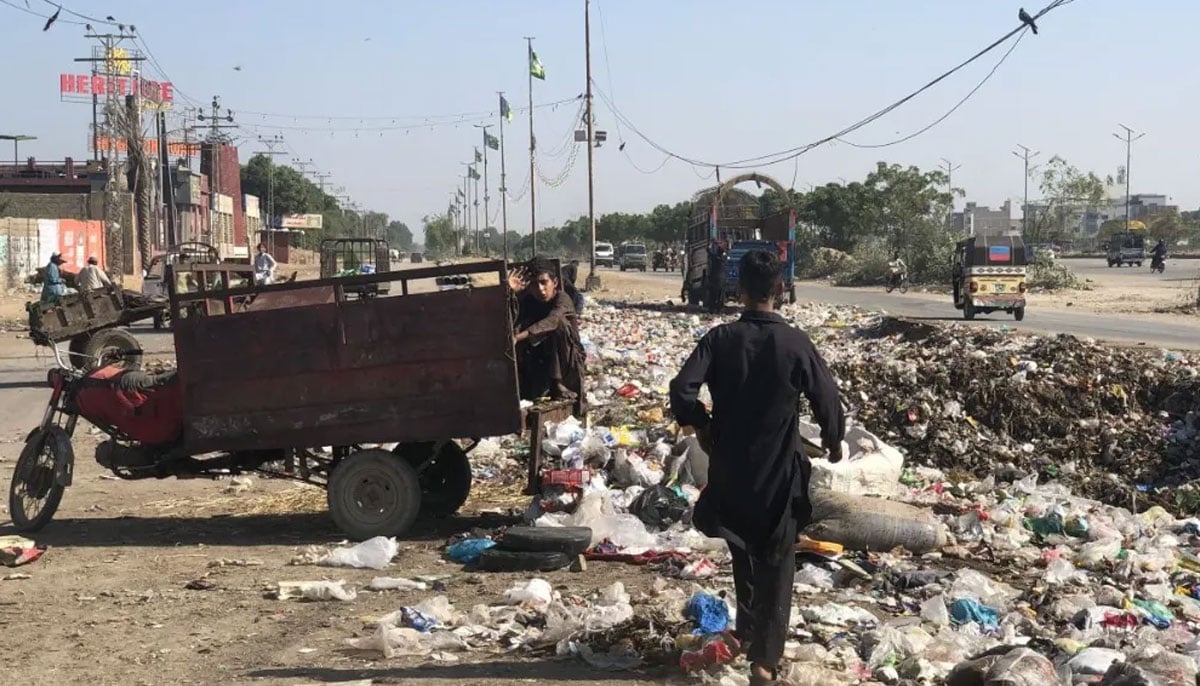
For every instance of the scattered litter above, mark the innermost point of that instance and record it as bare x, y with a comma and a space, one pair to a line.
18, 550
315, 590
387, 583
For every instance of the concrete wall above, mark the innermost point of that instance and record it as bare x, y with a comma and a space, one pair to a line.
82, 206
26, 245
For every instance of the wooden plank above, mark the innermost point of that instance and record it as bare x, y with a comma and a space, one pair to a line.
433, 326
439, 383
350, 424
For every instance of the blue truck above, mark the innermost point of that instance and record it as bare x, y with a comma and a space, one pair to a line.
728, 224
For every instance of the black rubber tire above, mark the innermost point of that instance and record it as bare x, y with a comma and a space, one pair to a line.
445, 478
43, 480
1019, 313
78, 350
571, 540
159, 322
889, 287
968, 310
493, 560
104, 345
903, 287
383, 477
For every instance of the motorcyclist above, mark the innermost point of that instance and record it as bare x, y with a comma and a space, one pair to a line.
1159, 254
898, 269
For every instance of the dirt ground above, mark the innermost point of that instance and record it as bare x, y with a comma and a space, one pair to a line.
108, 603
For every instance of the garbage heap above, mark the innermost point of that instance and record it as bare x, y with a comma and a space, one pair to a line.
1115, 424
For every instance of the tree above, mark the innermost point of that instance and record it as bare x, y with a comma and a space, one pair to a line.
1167, 227
441, 239
838, 214
293, 194
1067, 193
398, 235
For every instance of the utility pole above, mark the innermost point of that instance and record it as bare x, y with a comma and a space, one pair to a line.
270, 154
215, 139
593, 280
104, 53
532, 149
950, 168
1129, 138
486, 193
466, 215
320, 177
505, 113
1026, 154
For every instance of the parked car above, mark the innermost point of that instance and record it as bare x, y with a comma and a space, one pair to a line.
605, 257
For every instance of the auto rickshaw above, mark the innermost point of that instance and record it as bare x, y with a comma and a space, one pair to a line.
989, 275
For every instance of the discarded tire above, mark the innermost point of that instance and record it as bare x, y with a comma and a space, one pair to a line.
494, 560
571, 540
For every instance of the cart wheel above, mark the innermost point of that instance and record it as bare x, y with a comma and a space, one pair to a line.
1019, 313
78, 349
445, 476
35, 491
373, 493
968, 310
159, 322
113, 347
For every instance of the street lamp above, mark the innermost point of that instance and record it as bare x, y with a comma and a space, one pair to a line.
16, 139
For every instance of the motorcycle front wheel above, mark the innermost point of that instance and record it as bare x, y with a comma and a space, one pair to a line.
35, 492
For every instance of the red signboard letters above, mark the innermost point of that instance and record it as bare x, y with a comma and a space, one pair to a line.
84, 84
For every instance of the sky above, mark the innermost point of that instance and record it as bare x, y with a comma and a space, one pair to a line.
697, 77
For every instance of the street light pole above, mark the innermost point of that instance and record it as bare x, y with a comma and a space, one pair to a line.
1128, 138
593, 279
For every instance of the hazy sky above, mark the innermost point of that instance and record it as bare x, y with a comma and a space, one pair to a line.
696, 76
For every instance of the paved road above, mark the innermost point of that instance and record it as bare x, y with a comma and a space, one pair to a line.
1098, 268
1179, 333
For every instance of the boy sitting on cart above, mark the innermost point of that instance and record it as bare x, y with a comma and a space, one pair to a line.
550, 357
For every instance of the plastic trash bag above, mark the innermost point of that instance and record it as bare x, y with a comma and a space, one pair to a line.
1005, 666
1094, 660
969, 583
873, 524
467, 551
708, 612
315, 590
835, 614
872, 468
1163, 669
659, 507
536, 593
373, 553
934, 611
388, 583
966, 610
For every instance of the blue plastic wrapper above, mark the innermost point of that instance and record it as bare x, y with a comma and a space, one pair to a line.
709, 612
469, 550
415, 619
965, 610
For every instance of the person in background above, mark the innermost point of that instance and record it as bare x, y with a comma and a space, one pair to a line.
550, 357
898, 269
757, 500
570, 273
92, 277
53, 286
264, 266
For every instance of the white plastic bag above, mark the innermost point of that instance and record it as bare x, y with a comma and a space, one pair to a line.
389, 583
536, 593
934, 611
872, 468
1094, 660
373, 553
315, 590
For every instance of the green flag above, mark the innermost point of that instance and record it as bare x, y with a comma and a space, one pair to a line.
478, 155
491, 141
505, 110
472, 173
536, 70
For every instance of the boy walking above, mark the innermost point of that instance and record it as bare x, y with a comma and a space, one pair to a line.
757, 496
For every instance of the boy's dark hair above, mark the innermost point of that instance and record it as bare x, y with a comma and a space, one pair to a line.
542, 265
759, 275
